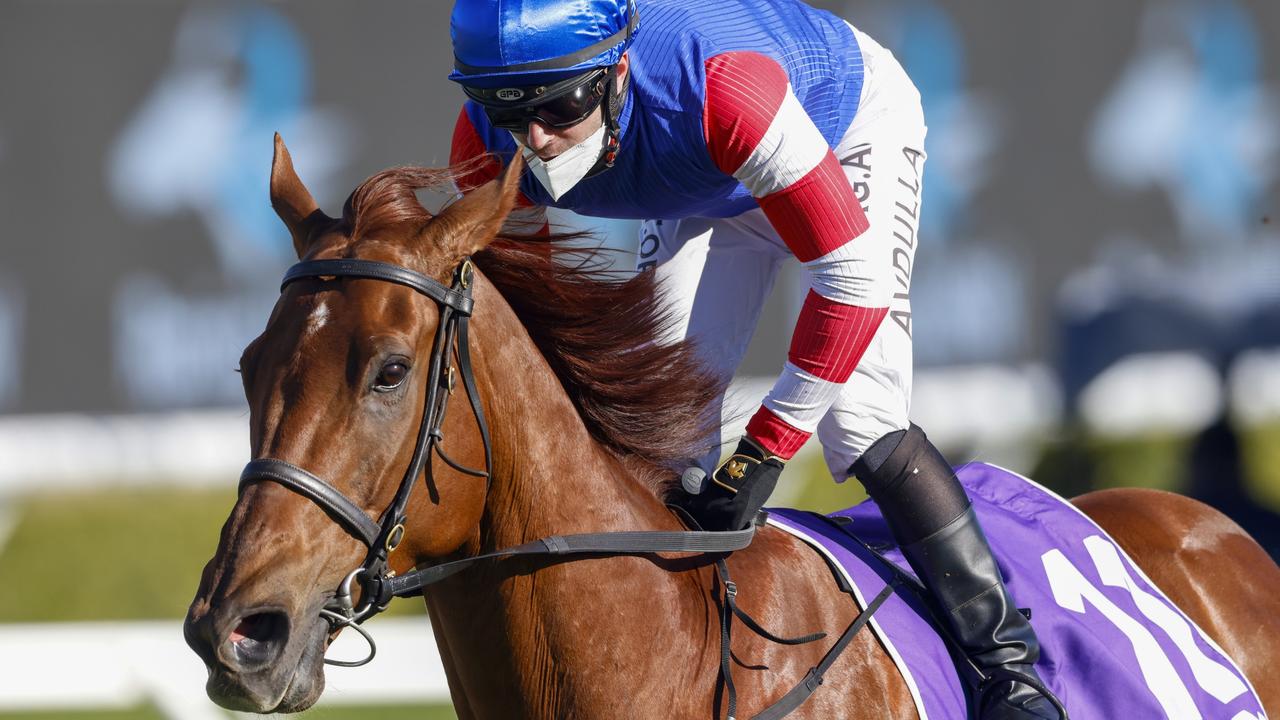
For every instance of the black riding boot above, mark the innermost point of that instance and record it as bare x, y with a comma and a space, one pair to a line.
929, 515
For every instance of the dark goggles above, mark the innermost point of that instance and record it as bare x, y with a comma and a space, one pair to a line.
559, 105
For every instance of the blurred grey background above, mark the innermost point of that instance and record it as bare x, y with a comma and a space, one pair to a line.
1096, 296
1078, 154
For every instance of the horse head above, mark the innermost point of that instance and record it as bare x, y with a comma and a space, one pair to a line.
337, 384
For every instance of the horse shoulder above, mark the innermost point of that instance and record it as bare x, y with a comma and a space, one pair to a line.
1208, 565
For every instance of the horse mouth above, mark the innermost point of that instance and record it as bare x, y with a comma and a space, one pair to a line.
291, 684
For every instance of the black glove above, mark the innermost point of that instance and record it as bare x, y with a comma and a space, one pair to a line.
731, 498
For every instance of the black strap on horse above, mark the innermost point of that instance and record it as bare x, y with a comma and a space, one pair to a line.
385, 535
796, 696
611, 543
379, 586
813, 679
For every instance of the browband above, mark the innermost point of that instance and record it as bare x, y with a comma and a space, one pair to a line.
375, 270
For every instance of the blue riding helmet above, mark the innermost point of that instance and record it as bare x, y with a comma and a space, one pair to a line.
506, 43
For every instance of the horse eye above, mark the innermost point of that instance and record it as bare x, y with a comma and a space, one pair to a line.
392, 374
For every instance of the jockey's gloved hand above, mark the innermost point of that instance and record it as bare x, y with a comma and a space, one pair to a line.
732, 496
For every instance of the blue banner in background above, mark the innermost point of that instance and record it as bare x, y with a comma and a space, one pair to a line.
196, 142
199, 144
1191, 115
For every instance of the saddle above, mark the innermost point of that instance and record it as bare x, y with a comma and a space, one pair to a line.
1111, 642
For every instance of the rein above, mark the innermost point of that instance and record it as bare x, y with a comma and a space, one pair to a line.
379, 585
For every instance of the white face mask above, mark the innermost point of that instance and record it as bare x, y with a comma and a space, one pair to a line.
559, 174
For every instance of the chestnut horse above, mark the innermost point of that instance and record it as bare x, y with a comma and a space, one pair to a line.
588, 416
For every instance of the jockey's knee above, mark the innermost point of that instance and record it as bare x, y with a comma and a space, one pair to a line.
912, 483
880, 468
846, 437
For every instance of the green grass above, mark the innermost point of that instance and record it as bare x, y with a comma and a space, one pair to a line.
130, 554
1076, 462
1260, 447
816, 490
121, 554
136, 554
1151, 461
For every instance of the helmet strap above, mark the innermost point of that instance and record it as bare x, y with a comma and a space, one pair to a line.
611, 108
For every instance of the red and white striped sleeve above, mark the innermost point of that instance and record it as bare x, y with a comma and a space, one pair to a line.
526, 218
758, 132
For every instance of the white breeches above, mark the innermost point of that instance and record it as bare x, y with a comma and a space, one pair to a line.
717, 272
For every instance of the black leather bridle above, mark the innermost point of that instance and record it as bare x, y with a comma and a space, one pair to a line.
382, 537
379, 586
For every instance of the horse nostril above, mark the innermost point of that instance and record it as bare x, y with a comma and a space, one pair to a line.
258, 638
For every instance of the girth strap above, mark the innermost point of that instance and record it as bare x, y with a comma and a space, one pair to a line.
731, 595
812, 679
318, 491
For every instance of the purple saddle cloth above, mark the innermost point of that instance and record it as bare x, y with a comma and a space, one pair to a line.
1112, 645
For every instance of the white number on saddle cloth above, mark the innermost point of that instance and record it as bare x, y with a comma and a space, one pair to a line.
1071, 589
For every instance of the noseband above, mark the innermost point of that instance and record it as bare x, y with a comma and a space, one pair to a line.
382, 537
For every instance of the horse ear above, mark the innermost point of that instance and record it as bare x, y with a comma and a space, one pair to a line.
291, 199
469, 224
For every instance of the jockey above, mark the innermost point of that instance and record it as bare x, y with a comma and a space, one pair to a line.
746, 132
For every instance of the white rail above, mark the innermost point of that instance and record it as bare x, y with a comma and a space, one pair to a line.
67, 666
209, 447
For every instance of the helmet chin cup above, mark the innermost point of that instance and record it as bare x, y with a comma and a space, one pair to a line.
611, 151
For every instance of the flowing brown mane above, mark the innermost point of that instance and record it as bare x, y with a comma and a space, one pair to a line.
388, 199
637, 396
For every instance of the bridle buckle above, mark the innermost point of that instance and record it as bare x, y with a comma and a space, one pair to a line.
394, 538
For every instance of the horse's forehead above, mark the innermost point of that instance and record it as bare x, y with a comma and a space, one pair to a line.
346, 312
320, 309
408, 246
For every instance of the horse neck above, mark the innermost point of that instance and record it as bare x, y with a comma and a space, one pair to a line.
513, 645
550, 475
